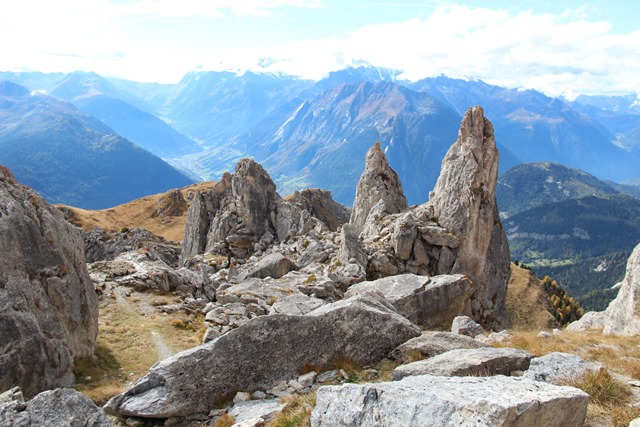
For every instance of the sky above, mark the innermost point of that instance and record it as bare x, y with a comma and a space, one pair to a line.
563, 48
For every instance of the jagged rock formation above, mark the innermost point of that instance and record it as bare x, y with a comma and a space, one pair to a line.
100, 245
263, 351
60, 407
321, 205
456, 401
48, 304
464, 202
622, 316
379, 192
432, 343
457, 232
242, 210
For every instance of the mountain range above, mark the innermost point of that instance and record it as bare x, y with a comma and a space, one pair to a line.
569, 225
312, 134
72, 158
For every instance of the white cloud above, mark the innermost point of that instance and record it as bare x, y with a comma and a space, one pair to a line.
569, 54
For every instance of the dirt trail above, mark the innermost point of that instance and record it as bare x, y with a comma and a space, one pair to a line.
163, 350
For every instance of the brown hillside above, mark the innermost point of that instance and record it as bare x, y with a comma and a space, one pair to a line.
527, 303
163, 214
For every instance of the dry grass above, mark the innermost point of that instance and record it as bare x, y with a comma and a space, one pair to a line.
610, 398
297, 412
526, 302
140, 213
351, 366
224, 420
125, 348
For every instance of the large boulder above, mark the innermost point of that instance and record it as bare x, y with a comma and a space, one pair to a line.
431, 302
262, 352
48, 304
464, 202
379, 191
239, 211
274, 265
622, 316
558, 368
425, 400
60, 407
432, 343
463, 362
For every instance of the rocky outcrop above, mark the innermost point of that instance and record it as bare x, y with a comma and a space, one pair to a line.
321, 205
457, 401
274, 265
48, 305
240, 211
60, 407
558, 368
465, 362
464, 203
379, 191
101, 245
262, 352
431, 302
622, 316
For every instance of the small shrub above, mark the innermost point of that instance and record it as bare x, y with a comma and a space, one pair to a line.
124, 230
312, 278
412, 356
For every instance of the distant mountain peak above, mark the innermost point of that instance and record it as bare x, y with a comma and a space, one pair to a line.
12, 90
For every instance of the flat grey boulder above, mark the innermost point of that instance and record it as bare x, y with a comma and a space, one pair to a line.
431, 302
556, 368
432, 343
464, 325
256, 409
61, 407
426, 401
297, 304
262, 352
479, 361
274, 265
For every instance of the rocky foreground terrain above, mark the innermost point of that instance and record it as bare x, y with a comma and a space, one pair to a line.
387, 315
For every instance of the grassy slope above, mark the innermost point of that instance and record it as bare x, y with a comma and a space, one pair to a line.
143, 213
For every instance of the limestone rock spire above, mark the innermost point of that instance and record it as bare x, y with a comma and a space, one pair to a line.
379, 191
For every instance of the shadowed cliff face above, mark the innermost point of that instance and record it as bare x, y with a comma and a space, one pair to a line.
48, 305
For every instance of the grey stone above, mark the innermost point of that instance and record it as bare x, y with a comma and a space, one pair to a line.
274, 265
464, 362
439, 236
378, 185
307, 379
432, 343
464, 325
431, 302
464, 203
351, 257
558, 368
48, 303
262, 352
404, 235
321, 205
425, 401
60, 407
296, 305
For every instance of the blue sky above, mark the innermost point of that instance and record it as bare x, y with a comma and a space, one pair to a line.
560, 47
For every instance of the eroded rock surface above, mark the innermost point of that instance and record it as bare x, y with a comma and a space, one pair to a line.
464, 202
262, 352
321, 205
60, 407
48, 304
431, 302
425, 400
379, 191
